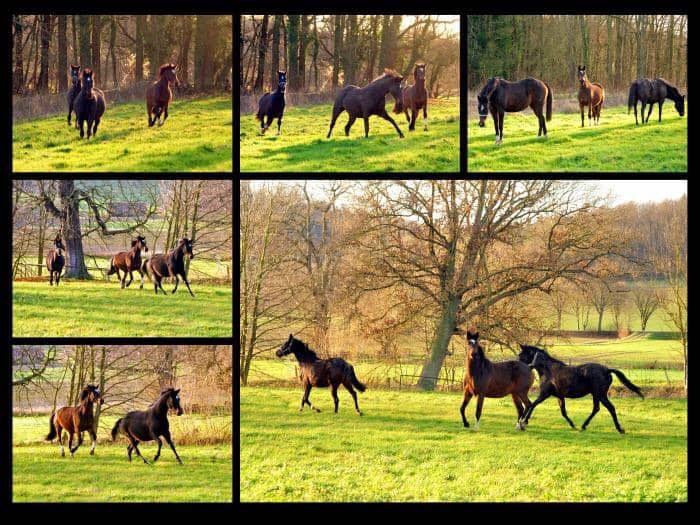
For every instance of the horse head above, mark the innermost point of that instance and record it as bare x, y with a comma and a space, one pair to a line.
167, 72
419, 72
581, 74
286, 348
58, 245
483, 98
173, 400
186, 246
140, 241
88, 82
474, 349
281, 81
679, 104
75, 74
92, 394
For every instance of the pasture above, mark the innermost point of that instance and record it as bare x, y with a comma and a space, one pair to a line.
303, 145
615, 145
196, 137
99, 308
40, 474
411, 446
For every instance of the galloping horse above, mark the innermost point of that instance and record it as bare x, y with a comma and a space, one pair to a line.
651, 91
271, 105
367, 101
590, 94
169, 264
484, 378
73, 91
415, 97
150, 424
159, 94
55, 260
561, 381
129, 261
89, 104
76, 420
321, 372
500, 95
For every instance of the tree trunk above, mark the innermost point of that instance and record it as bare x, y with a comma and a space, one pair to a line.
262, 51
18, 75
140, 28
185, 42
293, 25
204, 52
62, 72
112, 50
444, 330
275, 59
84, 40
337, 45
42, 85
96, 50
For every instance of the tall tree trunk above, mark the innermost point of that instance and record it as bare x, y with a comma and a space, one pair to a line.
112, 49
139, 52
262, 51
74, 40
275, 58
669, 56
337, 47
293, 27
84, 40
96, 47
185, 43
303, 45
314, 54
444, 330
18, 75
45, 39
62, 51
204, 52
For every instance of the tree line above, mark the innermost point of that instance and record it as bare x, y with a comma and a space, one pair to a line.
616, 49
120, 49
320, 53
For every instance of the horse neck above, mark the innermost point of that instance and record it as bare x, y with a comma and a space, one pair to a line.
419, 82
136, 251
85, 92
476, 366
161, 406
85, 406
304, 357
382, 85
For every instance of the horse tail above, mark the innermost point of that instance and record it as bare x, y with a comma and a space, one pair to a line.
632, 99
260, 115
623, 379
52, 428
549, 102
115, 429
112, 268
356, 382
144, 269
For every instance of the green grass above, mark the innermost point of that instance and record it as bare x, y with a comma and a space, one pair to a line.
98, 308
411, 446
303, 145
616, 145
196, 137
40, 474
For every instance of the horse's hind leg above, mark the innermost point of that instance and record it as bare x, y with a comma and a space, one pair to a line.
70, 443
77, 446
334, 393
651, 106
129, 450
463, 408
160, 445
611, 408
661, 105
350, 389
562, 407
94, 131
596, 407
479, 406
165, 113
519, 408
334, 116
425, 116
134, 444
177, 282
131, 278
58, 278
268, 123
59, 432
351, 121
141, 274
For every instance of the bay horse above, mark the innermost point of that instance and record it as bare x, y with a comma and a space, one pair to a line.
89, 104
415, 98
590, 94
649, 92
500, 95
150, 424
169, 264
484, 378
367, 101
55, 260
159, 95
76, 420
128, 262
73, 91
561, 381
321, 373
271, 105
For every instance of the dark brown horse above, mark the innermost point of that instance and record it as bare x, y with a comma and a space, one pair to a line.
128, 262
321, 372
159, 94
415, 98
76, 420
73, 90
484, 378
591, 95
55, 260
500, 95
169, 264
89, 105
649, 92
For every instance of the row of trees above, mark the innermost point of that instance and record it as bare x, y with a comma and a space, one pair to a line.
616, 49
121, 49
321, 53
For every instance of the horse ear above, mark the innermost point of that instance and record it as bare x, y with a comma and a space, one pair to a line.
177, 391
291, 337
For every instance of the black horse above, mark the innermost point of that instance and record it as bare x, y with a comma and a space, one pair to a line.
367, 101
150, 424
55, 260
89, 105
561, 381
321, 372
500, 95
169, 264
73, 91
271, 105
654, 91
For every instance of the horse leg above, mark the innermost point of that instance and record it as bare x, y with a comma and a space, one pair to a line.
334, 117
596, 407
82, 132
77, 446
351, 121
94, 131
334, 393
644, 106
58, 277
307, 389
425, 116
562, 407
50, 277
187, 283
611, 408
651, 106
177, 282
279, 126
519, 407
501, 118
479, 406
308, 402
59, 431
138, 452
531, 408
590, 113
661, 105
636, 120
414, 116
169, 440
165, 113
160, 445
93, 438
386, 116
582, 121
141, 274
350, 389
463, 408
408, 118
129, 450
70, 442
148, 113
90, 122
268, 123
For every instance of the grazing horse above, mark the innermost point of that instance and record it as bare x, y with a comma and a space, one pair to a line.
484, 378
271, 105
500, 95
321, 372
561, 381
76, 420
652, 91
150, 424
415, 97
128, 262
73, 91
590, 94
169, 264
159, 94
367, 101
55, 260
89, 104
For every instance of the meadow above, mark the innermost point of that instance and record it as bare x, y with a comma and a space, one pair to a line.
411, 446
196, 137
303, 145
100, 308
615, 145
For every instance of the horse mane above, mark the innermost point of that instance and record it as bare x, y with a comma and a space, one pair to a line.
133, 242
164, 68
548, 356
491, 85
84, 392
303, 350
670, 87
388, 73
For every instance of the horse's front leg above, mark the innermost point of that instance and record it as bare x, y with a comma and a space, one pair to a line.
425, 116
414, 116
160, 445
177, 282
187, 283
386, 116
590, 113
501, 118
651, 107
172, 445
582, 119
334, 394
268, 123
70, 110
661, 105
479, 406
279, 125
165, 113
463, 408
562, 407
93, 438
58, 278
528, 413
59, 431
82, 131
89, 126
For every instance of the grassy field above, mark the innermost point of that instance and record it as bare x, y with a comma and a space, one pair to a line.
40, 474
98, 308
411, 446
616, 145
303, 145
196, 137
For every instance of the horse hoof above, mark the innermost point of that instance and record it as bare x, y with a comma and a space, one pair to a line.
621, 430
359, 413
317, 410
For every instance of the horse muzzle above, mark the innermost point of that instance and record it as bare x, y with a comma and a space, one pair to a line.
482, 121
179, 411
